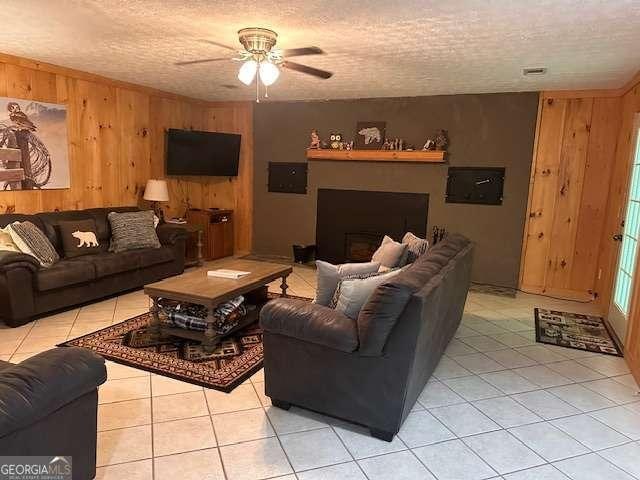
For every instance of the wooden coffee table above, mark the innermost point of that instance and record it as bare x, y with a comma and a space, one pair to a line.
197, 287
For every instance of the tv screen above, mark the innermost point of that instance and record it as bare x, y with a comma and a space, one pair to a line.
191, 152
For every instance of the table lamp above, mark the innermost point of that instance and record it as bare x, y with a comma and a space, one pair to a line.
157, 191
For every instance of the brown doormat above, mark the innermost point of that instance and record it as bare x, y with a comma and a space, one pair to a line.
574, 330
234, 360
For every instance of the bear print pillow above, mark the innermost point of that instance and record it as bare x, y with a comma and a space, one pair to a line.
78, 237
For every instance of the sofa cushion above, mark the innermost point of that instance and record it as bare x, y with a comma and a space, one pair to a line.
353, 292
379, 315
31, 240
107, 263
390, 253
6, 242
310, 322
416, 247
155, 256
64, 273
132, 230
328, 276
78, 237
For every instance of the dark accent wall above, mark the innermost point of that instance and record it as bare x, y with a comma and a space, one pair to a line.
492, 130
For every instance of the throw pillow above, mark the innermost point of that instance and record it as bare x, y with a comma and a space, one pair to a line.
78, 237
416, 246
32, 241
329, 275
390, 253
6, 242
353, 293
132, 230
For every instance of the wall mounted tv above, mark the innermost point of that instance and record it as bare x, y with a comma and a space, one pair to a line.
190, 152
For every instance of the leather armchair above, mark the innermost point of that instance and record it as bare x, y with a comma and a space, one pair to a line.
369, 370
49, 404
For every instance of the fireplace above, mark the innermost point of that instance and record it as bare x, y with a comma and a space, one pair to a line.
360, 246
350, 224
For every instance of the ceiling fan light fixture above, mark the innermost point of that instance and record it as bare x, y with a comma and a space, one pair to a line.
248, 71
269, 73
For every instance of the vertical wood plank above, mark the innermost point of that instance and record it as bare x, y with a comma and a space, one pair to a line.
573, 158
605, 123
542, 205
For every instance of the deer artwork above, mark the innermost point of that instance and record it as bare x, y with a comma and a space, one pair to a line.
87, 239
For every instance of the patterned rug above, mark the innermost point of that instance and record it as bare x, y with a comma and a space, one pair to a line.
573, 330
493, 290
234, 360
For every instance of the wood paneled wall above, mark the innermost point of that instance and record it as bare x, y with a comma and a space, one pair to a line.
117, 139
568, 195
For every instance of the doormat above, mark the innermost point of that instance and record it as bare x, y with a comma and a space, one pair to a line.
574, 330
234, 360
493, 290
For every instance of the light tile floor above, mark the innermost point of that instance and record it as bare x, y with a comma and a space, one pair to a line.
498, 406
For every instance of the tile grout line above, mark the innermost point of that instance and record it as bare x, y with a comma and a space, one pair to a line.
264, 409
153, 452
215, 436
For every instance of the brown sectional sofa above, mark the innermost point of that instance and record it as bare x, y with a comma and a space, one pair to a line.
28, 290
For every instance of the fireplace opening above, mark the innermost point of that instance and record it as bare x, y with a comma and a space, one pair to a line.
350, 224
360, 247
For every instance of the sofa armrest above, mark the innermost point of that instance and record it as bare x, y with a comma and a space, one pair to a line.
42, 384
311, 323
171, 234
18, 260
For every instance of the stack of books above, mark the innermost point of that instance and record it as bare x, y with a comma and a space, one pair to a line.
226, 273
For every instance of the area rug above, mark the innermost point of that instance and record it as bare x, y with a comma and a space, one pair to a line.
235, 359
574, 330
493, 290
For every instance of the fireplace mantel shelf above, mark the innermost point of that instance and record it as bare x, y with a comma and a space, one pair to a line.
416, 156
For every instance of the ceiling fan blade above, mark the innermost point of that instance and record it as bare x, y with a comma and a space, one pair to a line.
298, 67
297, 52
204, 60
221, 45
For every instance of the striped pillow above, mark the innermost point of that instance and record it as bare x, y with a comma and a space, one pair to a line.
32, 241
132, 230
416, 246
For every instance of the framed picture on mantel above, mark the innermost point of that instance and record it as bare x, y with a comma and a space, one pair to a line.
370, 135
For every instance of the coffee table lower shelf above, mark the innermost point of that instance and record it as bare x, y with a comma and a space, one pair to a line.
210, 343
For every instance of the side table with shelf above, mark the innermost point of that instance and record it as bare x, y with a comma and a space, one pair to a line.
194, 256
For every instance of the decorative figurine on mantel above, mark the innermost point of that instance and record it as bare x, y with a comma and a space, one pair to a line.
440, 142
336, 142
315, 140
430, 144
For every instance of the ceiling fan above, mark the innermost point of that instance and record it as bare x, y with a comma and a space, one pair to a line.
261, 61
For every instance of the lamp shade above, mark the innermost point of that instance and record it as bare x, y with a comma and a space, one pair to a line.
156, 191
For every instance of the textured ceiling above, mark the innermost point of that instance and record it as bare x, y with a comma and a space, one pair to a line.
376, 48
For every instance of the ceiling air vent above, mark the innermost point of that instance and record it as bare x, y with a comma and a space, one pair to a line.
534, 71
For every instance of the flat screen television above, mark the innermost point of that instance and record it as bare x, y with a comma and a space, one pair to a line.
190, 152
